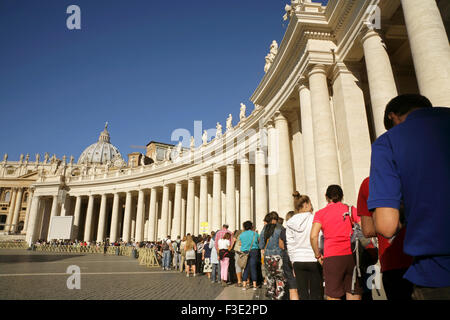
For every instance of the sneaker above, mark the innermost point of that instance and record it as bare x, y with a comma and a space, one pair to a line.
255, 288
244, 288
187, 275
195, 274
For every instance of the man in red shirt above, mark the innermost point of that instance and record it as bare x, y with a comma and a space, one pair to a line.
394, 262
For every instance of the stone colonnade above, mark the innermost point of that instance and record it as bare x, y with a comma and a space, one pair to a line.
332, 140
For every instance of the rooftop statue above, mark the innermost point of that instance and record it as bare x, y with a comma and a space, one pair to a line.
218, 130
242, 114
229, 122
38, 157
192, 143
271, 56
5, 157
205, 137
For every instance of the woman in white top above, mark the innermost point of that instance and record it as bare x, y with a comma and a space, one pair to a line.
308, 273
224, 245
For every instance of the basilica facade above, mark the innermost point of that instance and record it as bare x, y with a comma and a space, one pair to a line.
316, 112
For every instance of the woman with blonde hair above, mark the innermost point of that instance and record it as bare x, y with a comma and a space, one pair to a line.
308, 271
190, 249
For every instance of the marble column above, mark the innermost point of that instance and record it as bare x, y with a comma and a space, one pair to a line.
231, 198
327, 168
32, 234
27, 214
430, 49
309, 162
65, 208
140, 217
89, 216
245, 196
261, 201
196, 212
152, 215
352, 133
380, 76
12, 204
17, 209
115, 219
273, 165
183, 214
190, 210
203, 200
55, 207
102, 219
164, 213
176, 228
127, 218
285, 181
76, 218
217, 199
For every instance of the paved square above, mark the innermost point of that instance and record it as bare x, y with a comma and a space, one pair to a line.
42, 275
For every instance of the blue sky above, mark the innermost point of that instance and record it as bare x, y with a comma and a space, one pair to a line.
147, 67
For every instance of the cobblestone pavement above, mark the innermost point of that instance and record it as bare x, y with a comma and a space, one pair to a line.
37, 275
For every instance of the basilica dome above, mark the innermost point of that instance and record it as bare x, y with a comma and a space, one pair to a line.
102, 152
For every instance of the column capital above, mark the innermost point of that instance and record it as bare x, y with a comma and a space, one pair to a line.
279, 116
317, 68
339, 68
302, 83
270, 124
368, 31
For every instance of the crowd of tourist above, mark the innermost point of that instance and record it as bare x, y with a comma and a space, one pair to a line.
401, 222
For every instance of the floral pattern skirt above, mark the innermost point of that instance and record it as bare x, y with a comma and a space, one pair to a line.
207, 266
276, 280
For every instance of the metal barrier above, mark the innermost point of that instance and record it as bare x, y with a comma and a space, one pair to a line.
145, 256
13, 245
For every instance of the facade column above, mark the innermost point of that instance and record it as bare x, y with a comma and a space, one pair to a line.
114, 219
12, 204
164, 213
217, 199
327, 167
140, 217
127, 218
273, 165
245, 195
285, 181
102, 219
203, 216
152, 215
183, 214
261, 201
176, 227
196, 212
32, 233
17, 208
352, 133
65, 208
89, 216
380, 76
430, 49
231, 198
55, 207
27, 214
190, 210
309, 162
76, 218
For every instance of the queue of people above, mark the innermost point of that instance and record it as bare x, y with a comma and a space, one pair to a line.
400, 220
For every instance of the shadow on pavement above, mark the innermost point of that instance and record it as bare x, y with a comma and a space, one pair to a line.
35, 258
